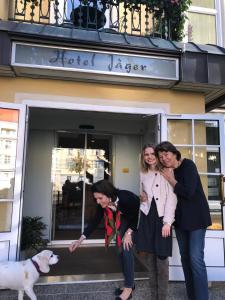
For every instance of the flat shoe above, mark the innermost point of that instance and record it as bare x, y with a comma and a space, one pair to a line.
118, 297
119, 291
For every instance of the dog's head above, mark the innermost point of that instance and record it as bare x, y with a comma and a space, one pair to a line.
44, 259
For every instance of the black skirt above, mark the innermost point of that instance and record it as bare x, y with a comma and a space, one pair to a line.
149, 234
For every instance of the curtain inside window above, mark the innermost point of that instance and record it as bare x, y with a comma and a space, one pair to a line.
201, 28
204, 3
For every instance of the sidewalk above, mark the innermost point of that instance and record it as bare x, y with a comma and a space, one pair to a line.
177, 291
105, 290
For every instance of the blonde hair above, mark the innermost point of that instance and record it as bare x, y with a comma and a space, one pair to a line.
143, 165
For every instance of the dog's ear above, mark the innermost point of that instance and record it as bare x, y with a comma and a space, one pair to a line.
43, 262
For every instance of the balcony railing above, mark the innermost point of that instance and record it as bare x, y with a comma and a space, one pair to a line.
109, 15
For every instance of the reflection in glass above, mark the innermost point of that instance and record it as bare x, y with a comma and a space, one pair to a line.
201, 159
213, 160
68, 181
7, 185
207, 159
5, 216
186, 152
181, 136
207, 133
74, 170
8, 143
212, 188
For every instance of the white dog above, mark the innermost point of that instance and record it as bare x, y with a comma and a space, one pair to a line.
22, 275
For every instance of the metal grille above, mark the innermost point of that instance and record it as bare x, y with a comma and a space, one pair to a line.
109, 15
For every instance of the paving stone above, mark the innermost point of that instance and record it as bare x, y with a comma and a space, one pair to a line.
105, 290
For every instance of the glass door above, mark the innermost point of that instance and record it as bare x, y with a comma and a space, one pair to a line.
12, 131
201, 139
77, 162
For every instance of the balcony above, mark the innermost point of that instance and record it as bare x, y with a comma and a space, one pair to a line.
129, 17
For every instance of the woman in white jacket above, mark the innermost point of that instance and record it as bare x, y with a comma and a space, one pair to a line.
157, 211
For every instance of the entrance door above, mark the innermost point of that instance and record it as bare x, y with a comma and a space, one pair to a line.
77, 162
12, 128
201, 138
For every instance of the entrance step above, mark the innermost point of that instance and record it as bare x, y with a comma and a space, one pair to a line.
102, 290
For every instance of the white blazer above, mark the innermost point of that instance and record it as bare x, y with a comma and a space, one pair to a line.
155, 185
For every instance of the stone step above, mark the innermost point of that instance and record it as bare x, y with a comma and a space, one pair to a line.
102, 290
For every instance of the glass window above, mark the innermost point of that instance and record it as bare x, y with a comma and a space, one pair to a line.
207, 159
6, 185
204, 3
181, 136
201, 28
9, 119
212, 188
199, 141
185, 152
5, 216
207, 133
201, 159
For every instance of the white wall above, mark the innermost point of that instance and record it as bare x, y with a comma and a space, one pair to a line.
38, 187
127, 149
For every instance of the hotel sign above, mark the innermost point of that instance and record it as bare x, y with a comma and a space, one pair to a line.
88, 61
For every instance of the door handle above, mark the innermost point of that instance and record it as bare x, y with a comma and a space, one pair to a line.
222, 180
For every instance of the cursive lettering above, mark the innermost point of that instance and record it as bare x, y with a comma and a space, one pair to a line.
116, 63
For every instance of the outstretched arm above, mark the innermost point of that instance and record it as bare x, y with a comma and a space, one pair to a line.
74, 245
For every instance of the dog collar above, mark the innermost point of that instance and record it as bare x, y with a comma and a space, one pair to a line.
36, 266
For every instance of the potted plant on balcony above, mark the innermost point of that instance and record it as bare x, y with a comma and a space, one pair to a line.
89, 14
32, 236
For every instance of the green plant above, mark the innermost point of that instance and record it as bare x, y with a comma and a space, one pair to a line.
168, 14
32, 236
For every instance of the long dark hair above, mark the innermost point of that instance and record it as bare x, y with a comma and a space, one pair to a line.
106, 188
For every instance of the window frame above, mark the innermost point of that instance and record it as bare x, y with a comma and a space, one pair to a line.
217, 11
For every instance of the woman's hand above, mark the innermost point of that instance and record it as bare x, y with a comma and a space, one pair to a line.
166, 230
168, 174
143, 197
127, 240
74, 245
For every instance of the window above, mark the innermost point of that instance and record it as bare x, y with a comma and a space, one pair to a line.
7, 159
199, 140
204, 22
8, 132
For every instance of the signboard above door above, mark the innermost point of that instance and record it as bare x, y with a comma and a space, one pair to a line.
51, 61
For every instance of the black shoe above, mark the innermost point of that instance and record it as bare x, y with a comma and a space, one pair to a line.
119, 291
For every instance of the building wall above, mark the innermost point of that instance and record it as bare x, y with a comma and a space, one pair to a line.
19, 89
4, 9
38, 186
223, 20
38, 165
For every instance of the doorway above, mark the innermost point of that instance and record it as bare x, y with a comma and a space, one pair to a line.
59, 148
78, 161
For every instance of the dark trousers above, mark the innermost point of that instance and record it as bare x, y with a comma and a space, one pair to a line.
191, 245
126, 259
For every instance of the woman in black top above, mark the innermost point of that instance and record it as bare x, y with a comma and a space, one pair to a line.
120, 210
192, 217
